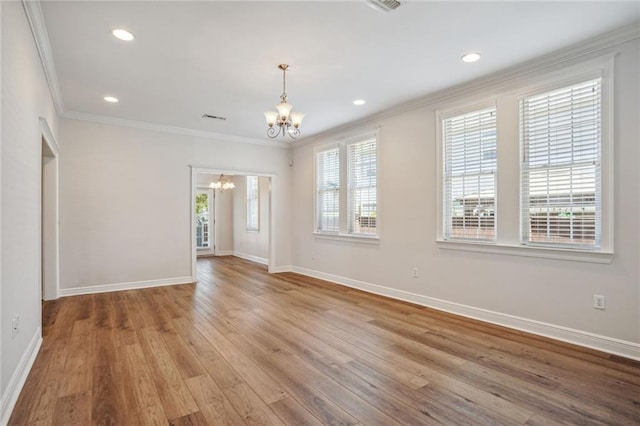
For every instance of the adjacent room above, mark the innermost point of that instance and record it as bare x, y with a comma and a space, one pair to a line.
305, 212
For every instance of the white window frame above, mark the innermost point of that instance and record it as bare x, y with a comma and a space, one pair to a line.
343, 228
507, 105
316, 190
351, 190
444, 203
251, 201
524, 196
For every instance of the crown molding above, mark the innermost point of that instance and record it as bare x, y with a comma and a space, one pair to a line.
593, 45
580, 51
33, 10
143, 125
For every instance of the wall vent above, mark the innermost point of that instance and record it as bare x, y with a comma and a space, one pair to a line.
384, 5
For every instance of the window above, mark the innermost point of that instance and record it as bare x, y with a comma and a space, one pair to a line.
328, 190
469, 179
346, 191
203, 208
253, 204
361, 166
553, 145
560, 139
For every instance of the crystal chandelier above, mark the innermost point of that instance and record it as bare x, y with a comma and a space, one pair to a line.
287, 122
222, 183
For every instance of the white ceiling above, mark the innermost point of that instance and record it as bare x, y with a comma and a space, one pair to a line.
221, 58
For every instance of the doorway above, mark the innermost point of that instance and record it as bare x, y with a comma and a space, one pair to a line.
242, 219
49, 257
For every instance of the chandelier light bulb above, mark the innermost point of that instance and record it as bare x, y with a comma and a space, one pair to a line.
296, 119
284, 109
272, 117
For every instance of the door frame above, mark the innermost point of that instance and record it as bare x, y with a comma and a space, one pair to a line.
272, 209
49, 213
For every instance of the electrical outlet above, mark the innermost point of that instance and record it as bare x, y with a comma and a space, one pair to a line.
415, 272
15, 326
598, 301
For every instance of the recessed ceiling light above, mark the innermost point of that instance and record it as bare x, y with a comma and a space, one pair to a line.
359, 102
122, 34
111, 99
470, 57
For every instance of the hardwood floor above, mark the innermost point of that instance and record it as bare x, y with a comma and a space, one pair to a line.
243, 347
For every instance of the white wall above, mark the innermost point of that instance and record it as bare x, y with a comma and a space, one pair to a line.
251, 244
224, 221
555, 292
25, 97
125, 200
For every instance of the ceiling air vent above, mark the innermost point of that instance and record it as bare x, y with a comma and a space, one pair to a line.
384, 5
215, 117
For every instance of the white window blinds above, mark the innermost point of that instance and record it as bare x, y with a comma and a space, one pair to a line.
253, 203
328, 190
469, 203
361, 170
560, 172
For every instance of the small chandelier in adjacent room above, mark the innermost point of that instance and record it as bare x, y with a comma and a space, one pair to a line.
283, 121
222, 183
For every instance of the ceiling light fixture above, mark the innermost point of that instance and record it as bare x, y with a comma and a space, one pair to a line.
288, 122
222, 183
359, 102
470, 57
122, 34
110, 99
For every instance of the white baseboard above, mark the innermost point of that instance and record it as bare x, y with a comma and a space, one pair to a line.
594, 341
279, 269
10, 396
251, 257
124, 286
223, 253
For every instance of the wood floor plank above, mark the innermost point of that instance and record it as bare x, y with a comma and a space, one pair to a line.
78, 370
214, 405
141, 396
193, 419
184, 359
218, 368
250, 407
174, 394
124, 331
242, 346
107, 403
73, 410
291, 412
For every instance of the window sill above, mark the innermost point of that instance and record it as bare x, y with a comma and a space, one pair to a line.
528, 251
363, 239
